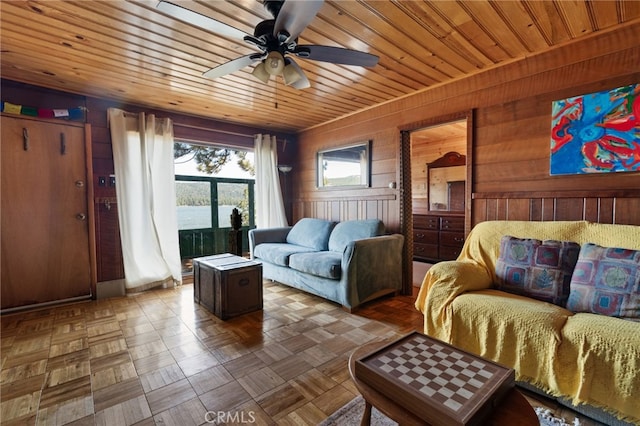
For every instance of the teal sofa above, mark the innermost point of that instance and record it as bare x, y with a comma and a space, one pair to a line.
349, 262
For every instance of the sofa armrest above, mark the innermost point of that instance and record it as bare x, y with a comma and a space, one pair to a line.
441, 285
372, 265
267, 235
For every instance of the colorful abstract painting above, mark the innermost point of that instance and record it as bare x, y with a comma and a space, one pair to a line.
596, 133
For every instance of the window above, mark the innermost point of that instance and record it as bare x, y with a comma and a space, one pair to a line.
205, 201
193, 199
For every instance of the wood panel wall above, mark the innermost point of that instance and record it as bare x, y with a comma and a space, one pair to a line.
108, 251
378, 201
511, 141
595, 206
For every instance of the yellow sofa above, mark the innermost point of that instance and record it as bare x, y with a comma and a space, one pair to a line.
589, 361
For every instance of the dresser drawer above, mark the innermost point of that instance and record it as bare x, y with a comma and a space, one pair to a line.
425, 222
451, 223
425, 251
437, 236
455, 239
449, 253
425, 236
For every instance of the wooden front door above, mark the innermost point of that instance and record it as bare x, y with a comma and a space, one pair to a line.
45, 226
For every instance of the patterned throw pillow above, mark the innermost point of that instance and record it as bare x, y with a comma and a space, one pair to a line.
537, 269
606, 281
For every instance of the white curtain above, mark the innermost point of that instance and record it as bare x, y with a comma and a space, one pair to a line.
145, 187
269, 205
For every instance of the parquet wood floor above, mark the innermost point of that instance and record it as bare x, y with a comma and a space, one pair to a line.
157, 358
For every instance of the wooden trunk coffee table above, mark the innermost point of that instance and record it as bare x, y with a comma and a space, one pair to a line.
227, 285
513, 409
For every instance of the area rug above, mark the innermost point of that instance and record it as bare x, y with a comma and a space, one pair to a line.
351, 414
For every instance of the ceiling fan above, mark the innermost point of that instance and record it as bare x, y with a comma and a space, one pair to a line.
277, 40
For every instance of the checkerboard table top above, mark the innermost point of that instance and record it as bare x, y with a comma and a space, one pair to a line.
435, 380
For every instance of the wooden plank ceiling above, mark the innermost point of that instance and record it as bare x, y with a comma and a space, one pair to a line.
131, 52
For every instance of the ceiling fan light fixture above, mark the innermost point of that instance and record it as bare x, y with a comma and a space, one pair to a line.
290, 74
276, 39
260, 72
274, 63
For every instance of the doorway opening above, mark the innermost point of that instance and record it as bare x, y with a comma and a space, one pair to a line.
212, 182
423, 228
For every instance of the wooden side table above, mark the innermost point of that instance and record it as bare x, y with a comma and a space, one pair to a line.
514, 409
227, 285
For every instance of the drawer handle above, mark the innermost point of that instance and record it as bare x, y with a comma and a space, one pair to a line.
420, 235
458, 239
243, 282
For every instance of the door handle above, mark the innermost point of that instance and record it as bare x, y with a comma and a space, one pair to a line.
25, 139
81, 216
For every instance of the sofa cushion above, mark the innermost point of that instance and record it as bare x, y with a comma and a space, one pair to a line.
606, 281
516, 331
278, 253
322, 264
351, 230
598, 362
311, 232
538, 269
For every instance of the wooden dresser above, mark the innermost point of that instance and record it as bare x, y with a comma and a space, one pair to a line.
437, 236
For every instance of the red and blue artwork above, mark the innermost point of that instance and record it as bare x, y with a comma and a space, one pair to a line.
597, 133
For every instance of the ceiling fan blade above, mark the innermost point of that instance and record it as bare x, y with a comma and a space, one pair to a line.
232, 66
295, 15
303, 81
199, 20
336, 55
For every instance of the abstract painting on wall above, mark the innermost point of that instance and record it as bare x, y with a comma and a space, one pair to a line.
597, 132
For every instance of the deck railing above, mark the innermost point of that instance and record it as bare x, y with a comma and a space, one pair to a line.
211, 206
